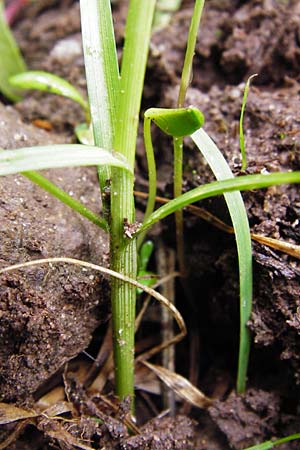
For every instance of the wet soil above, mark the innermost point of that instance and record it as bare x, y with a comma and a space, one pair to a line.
42, 309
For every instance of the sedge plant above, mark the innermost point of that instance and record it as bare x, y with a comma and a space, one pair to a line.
114, 106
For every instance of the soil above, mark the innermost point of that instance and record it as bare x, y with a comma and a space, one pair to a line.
51, 315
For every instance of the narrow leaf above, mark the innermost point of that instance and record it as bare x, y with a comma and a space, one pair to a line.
47, 82
270, 444
215, 188
102, 75
54, 156
242, 138
10, 57
65, 198
241, 228
264, 446
181, 386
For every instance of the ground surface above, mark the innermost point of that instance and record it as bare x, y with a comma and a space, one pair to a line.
51, 315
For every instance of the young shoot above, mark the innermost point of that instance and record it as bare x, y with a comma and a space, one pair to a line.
242, 138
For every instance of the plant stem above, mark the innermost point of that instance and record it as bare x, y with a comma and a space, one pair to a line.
151, 174
189, 55
123, 250
178, 142
177, 190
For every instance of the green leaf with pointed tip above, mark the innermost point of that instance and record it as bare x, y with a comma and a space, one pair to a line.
11, 59
218, 188
47, 82
239, 218
176, 122
53, 156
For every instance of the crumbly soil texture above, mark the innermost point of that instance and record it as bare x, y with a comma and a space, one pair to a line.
52, 317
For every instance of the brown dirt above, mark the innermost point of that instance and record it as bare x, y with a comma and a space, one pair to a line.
237, 39
42, 309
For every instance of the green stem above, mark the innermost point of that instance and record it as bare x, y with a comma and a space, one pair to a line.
65, 198
123, 250
189, 55
151, 174
178, 142
178, 173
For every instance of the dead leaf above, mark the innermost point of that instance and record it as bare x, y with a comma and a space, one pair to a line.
58, 409
10, 413
181, 386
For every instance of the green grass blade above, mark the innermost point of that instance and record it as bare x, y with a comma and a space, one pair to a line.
10, 57
190, 51
102, 74
65, 198
215, 188
270, 444
242, 138
239, 218
47, 82
54, 156
264, 446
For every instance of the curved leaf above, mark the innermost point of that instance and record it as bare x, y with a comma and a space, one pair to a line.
239, 218
215, 188
47, 82
177, 122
